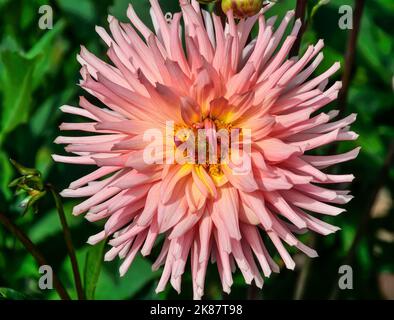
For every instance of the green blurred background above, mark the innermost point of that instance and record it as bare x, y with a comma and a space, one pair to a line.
39, 73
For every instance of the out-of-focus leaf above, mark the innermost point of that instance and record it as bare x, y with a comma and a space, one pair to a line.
11, 294
44, 119
364, 256
6, 174
348, 233
119, 10
9, 43
40, 118
92, 269
26, 266
112, 286
387, 5
27, 15
49, 224
386, 131
82, 9
3, 2
44, 161
372, 145
374, 51
46, 40
17, 88
20, 74
43, 49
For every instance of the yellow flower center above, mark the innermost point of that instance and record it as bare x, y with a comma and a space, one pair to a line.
206, 145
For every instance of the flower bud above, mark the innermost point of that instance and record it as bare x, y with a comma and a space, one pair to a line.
30, 201
30, 185
242, 8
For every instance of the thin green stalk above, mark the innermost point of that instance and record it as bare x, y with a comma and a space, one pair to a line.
34, 251
69, 244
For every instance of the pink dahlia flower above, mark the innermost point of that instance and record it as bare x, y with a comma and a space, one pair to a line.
219, 82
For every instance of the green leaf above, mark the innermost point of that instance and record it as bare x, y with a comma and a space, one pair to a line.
112, 286
46, 40
6, 174
20, 75
48, 224
11, 294
3, 3
377, 48
82, 9
43, 50
27, 16
44, 118
92, 269
364, 256
9, 43
44, 161
119, 10
348, 234
17, 90
387, 131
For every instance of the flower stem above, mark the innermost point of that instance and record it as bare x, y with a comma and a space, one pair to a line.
254, 293
304, 273
68, 241
363, 225
342, 104
300, 13
34, 251
350, 55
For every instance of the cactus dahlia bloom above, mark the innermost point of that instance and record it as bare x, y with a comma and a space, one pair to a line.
218, 82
